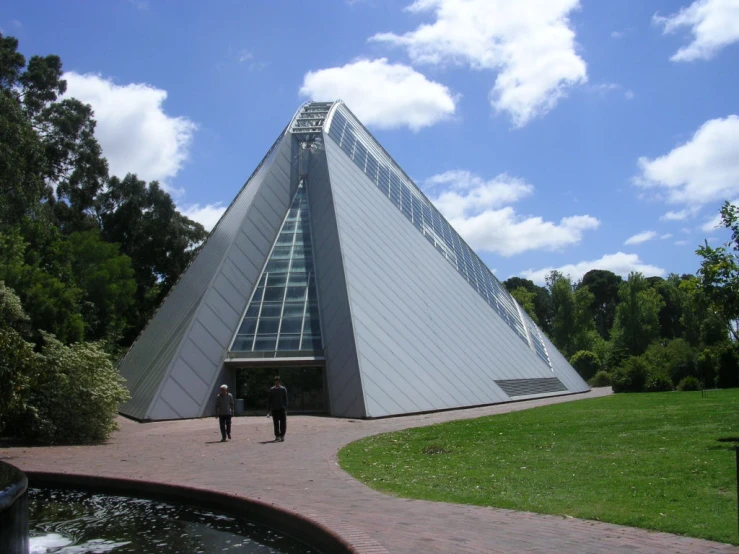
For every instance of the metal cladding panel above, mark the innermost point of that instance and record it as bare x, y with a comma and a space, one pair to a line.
342, 366
425, 338
204, 306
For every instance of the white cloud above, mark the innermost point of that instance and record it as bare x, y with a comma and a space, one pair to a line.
641, 237
207, 215
468, 192
666, 236
469, 204
617, 34
135, 133
677, 216
681, 243
619, 263
529, 44
381, 94
713, 23
712, 224
704, 169
605, 88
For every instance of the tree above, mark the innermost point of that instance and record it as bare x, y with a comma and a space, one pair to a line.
47, 291
636, 323
160, 241
106, 279
46, 144
572, 325
542, 300
670, 316
526, 300
719, 273
604, 285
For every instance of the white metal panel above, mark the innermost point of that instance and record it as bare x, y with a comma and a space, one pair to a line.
416, 320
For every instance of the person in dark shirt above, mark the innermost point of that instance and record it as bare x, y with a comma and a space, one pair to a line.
277, 406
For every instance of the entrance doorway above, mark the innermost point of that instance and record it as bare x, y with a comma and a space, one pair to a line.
305, 387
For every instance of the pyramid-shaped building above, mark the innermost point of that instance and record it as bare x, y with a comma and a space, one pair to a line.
331, 261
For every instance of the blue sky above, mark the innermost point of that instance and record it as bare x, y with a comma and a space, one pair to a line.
553, 134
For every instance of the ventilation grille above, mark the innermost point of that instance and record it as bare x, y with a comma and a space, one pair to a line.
526, 387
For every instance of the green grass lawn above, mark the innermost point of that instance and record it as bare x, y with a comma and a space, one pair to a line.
646, 460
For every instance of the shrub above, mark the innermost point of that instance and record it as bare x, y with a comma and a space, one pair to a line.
585, 363
675, 358
658, 382
689, 383
17, 371
78, 394
728, 368
600, 379
631, 376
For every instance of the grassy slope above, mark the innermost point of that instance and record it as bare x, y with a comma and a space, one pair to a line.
644, 460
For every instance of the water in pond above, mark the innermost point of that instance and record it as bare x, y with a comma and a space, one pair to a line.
74, 522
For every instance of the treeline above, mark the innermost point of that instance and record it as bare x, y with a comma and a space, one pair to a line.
85, 258
646, 334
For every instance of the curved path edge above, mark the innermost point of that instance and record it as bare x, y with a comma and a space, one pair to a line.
325, 536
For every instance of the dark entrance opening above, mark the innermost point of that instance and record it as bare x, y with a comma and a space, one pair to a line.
305, 388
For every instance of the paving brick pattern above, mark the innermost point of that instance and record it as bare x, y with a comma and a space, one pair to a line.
302, 475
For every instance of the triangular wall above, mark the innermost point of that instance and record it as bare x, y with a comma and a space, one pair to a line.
176, 365
424, 338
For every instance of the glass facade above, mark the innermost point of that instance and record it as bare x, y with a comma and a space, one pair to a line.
387, 176
282, 315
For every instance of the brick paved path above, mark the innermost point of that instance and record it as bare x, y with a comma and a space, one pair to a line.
302, 474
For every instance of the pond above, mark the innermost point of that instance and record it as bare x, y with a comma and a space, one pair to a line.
64, 521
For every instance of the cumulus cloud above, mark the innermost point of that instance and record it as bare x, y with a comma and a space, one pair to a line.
619, 263
712, 224
135, 133
677, 216
704, 169
714, 24
474, 207
382, 94
529, 44
207, 215
459, 192
641, 237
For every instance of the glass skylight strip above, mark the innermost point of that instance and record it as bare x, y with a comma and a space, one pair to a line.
282, 315
387, 176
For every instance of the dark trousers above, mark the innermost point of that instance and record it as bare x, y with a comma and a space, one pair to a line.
225, 422
279, 418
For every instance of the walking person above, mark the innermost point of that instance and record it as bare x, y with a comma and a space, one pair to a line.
225, 408
277, 406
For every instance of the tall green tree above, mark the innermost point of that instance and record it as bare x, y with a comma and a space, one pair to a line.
541, 299
604, 285
107, 282
670, 316
573, 327
160, 241
47, 146
719, 273
526, 300
636, 323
